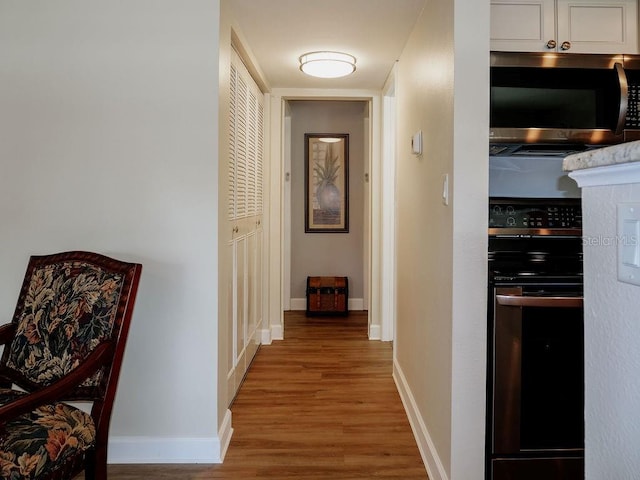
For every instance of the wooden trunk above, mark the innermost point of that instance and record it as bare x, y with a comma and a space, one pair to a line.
327, 296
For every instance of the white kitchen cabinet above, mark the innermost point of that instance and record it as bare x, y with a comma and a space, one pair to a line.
522, 25
567, 26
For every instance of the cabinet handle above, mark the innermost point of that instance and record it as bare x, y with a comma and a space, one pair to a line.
565, 46
235, 229
551, 44
520, 301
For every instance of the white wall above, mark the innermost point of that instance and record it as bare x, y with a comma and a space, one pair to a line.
108, 142
612, 337
440, 347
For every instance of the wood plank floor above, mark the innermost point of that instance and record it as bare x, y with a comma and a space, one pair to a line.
319, 405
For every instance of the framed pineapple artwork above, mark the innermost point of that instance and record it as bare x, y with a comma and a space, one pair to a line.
326, 166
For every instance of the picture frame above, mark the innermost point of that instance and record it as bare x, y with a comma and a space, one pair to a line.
326, 167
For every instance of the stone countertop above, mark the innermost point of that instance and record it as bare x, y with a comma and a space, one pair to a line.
613, 155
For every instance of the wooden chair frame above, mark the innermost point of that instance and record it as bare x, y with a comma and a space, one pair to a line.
107, 356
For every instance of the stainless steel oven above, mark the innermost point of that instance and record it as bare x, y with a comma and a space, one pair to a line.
535, 391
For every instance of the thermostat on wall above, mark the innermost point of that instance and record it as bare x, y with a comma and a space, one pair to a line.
416, 143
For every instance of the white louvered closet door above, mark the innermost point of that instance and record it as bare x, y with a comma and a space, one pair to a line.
245, 208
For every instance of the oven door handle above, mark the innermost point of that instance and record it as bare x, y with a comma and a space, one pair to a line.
555, 302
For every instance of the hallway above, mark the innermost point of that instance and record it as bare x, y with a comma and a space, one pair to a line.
319, 405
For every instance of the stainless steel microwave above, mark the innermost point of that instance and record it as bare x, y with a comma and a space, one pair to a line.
557, 98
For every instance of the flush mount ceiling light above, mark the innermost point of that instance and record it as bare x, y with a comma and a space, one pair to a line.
327, 64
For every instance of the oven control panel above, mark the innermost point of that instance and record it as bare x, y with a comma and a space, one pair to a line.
534, 214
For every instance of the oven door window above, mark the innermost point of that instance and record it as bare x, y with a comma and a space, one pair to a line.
538, 373
552, 400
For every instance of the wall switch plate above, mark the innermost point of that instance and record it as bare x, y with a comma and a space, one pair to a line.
445, 189
416, 143
628, 242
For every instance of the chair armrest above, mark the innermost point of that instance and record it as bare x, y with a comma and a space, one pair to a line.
53, 393
7, 332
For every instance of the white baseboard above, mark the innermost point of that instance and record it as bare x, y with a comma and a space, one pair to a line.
224, 435
268, 335
432, 462
356, 303
375, 332
265, 336
353, 304
298, 304
277, 333
164, 450
133, 450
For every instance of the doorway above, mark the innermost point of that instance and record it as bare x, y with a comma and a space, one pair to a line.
375, 298
368, 298
328, 254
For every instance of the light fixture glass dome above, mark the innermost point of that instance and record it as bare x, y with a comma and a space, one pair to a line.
327, 64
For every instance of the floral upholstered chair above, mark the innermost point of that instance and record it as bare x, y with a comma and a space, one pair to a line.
65, 343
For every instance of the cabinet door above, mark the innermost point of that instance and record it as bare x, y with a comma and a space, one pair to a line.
522, 25
598, 26
241, 317
241, 263
254, 294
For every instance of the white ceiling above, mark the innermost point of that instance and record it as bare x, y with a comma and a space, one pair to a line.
279, 31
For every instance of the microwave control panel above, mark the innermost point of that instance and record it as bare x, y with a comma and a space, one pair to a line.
633, 106
527, 216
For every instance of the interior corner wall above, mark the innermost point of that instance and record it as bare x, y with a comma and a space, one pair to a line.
328, 254
109, 143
